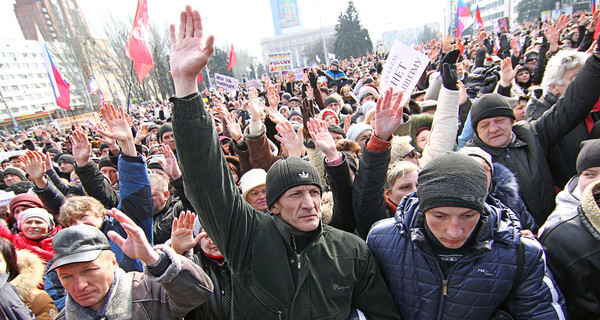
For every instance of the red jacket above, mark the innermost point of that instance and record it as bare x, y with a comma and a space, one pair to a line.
41, 247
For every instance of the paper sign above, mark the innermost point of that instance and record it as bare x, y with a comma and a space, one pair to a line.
257, 84
402, 69
280, 61
225, 82
5, 197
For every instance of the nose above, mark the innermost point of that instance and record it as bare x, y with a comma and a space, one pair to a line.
307, 201
80, 284
454, 229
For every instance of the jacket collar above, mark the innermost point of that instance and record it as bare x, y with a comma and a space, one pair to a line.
514, 143
286, 231
590, 209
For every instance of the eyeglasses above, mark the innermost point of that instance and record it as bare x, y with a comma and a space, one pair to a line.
412, 154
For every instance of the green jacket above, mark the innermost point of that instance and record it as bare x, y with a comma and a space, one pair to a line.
334, 273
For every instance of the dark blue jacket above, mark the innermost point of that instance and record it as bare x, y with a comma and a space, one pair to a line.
477, 284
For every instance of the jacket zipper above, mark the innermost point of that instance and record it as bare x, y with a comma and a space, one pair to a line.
298, 255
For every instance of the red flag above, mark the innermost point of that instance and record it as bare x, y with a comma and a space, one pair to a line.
461, 47
231, 59
137, 44
597, 31
199, 78
478, 17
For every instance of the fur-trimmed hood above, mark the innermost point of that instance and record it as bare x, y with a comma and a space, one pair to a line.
589, 204
31, 273
504, 186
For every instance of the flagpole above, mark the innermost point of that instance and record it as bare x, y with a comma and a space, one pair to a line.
129, 89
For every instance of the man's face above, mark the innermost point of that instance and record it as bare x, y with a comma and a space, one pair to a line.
257, 198
10, 179
300, 207
66, 167
336, 136
218, 127
89, 218
452, 226
403, 186
363, 137
17, 163
169, 138
88, 282
333, 106
519, 110
495, 132
567, 78
159, 198
588, 176
111, 173
293, 104
105, 152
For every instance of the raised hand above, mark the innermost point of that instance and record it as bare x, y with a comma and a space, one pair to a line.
272, 96
234, 127
563, 22
82, 148
255, 109
322, 138
275, 115
388, 117
507, 73
182, 233
187, 56
141, 134
119, 128
35, 167
112, 143
171, 166
514, 45
136, 245
446, 43
290, 139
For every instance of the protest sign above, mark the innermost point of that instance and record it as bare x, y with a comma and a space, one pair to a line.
280, 61
257, 84
5, 197
402, 69
225, 82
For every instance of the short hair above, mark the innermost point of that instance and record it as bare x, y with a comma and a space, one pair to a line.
398, 170
369, 116
74, 207
523, 97
348, 145
561, 62
159, 182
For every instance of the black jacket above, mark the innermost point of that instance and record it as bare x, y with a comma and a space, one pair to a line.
218, 306
525, 156
573, 253
562, 156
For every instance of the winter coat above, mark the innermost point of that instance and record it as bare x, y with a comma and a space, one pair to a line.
334, 272
163, 221
27, 283
147, 295
11, 307
42, 247
505, 188
96, 185
526, 154
566, 204
572, 249
477, 284
562, 157
218, 306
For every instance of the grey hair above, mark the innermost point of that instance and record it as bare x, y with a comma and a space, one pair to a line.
561, 62
398, 170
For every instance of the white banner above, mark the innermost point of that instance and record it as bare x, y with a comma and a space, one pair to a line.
280, 61
402, 69
257, 84
225, 82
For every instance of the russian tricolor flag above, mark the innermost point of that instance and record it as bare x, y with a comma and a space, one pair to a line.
478, 17
62, 93
464, 18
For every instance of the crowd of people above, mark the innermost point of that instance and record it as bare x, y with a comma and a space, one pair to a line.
322, 197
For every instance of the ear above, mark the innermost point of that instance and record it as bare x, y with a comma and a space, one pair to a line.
275, 208
167, 194
553, 89
386, 193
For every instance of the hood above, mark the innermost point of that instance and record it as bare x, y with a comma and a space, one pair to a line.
504, 186
496, 224
31, 273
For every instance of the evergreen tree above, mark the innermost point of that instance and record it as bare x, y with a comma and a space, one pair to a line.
352, 40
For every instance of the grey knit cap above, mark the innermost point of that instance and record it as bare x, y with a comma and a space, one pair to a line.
452, 180
285, 174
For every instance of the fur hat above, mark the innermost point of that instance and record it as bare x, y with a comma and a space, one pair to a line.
252, 179
357, 129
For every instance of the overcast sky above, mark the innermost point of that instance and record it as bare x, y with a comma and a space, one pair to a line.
244, 23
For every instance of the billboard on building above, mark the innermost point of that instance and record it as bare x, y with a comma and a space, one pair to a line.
285, 14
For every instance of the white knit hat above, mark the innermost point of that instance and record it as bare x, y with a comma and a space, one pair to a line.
251, 180
36, 213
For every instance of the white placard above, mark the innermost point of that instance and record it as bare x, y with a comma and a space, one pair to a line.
5, 197
225, 82
257, 84
280, 61
403, 69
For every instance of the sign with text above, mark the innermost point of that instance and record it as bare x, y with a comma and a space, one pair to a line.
280, 61
402, 69
257, 84
225, 82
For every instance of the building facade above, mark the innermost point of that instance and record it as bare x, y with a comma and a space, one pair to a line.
56, 19
297, 42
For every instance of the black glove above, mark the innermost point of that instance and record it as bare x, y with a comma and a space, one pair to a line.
449, 76
451, 57
312, 79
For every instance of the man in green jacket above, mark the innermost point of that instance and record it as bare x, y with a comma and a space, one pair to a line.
284, 266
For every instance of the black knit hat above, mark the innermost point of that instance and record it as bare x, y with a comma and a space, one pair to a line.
164, 129
66, 158
105, 162
103, 146
16, 171
285, 174
329, 100
336, 129
589, 155
488, 106
452, 180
